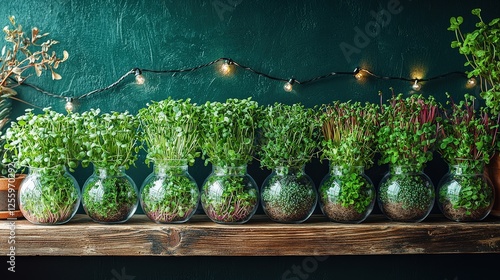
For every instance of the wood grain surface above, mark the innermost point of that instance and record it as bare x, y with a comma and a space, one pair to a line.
259, 237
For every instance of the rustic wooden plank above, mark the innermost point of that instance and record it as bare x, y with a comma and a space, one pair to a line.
259, 237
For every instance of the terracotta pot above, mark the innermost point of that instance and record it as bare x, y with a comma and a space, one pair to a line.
494, 174
5, 185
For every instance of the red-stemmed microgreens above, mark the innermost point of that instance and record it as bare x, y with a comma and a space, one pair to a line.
467, 139
349, 133
467, 134
408, 130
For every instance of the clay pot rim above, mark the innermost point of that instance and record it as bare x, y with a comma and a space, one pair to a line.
4, 185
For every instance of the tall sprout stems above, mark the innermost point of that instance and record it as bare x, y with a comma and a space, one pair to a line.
408, 129
349, 133
170, 130
289, 135
467, 133
110, 140
228, 131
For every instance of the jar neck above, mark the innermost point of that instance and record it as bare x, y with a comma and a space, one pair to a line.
106, 171
405, 169
229, 170
338, 170
170, 167
54, 170
466, 167
287, 170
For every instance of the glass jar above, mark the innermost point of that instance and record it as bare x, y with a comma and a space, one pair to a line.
49, 196
110, 195
288, 195
346, 194
169, 194
406, 194
229, 195
465, 193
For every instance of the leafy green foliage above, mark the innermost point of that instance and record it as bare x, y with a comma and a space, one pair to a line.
348, 187
170, 130
49, 196
408, 130
467, 141
228, 142
481, 50
110, 144
169, 194
22, 53
110, 139
289, 135
349, 133
45, 140
109, 195
228, 131
467, 191
47, 143
466, 135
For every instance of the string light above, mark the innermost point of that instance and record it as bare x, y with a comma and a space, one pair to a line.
288, 87
416, 86
139, 78
358, 74
471, 82
69, 106
227, 66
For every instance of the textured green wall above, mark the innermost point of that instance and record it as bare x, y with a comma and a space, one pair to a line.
301, 39
107, 38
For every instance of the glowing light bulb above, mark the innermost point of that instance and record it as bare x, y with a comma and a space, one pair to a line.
357, 73
288, 87
139, 79
225, 68
416, 86
471, 83
69, 106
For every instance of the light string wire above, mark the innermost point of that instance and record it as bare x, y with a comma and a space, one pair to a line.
228, 61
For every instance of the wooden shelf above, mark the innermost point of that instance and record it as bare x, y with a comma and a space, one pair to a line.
259, 237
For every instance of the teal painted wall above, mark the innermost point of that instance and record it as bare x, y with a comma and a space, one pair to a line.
106, 38
301, 39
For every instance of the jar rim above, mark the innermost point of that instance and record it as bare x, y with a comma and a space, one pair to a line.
406, 168
171, 162
227, 169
